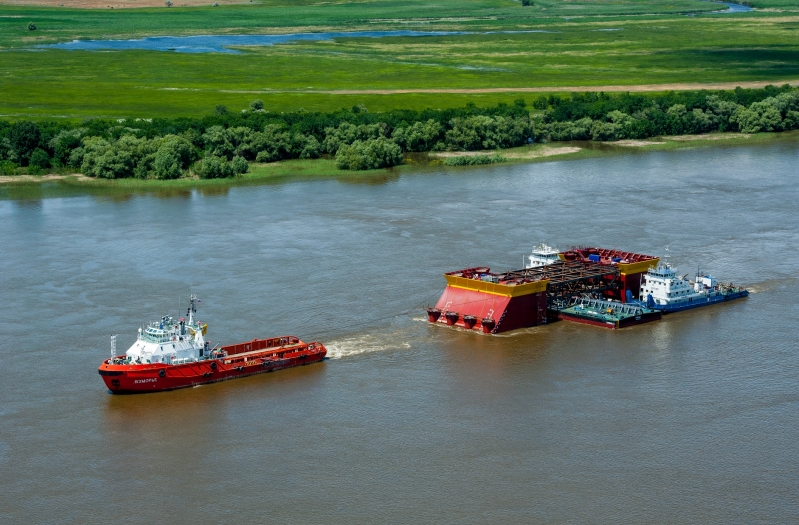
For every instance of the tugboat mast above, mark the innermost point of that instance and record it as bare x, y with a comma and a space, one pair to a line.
192, 308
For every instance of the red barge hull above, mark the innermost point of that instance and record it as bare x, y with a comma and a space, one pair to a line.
245, 359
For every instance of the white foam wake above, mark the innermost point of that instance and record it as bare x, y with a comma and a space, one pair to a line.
367, 343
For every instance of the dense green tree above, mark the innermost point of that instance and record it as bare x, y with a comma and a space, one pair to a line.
369, 154
239, 165
102, 159
7, 152
64, 142
24, 138
174, 155
420, 136
39, 159
217, 142
213, 167
348, 133
484, 132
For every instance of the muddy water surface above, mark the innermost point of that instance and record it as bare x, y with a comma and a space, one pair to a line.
692, 419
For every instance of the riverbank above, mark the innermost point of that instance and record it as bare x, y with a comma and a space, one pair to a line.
65, 185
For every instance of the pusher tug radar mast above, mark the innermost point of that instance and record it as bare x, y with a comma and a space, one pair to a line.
171, 354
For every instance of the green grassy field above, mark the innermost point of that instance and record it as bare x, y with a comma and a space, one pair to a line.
611, 42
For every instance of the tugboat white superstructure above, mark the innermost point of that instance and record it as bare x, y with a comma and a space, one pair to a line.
542, 255
169, 355
664, 290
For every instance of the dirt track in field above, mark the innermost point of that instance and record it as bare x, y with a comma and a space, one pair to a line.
552, 89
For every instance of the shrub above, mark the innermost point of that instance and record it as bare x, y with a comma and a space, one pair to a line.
239, 165
485, 132
173, 156
214, 167
7, 167
257, 105
31, 27
311, 149
348, 133
474, 160
368, 155
220, 110
527, 2
103, 159
760, 116
421, 136
39, 159
568, 130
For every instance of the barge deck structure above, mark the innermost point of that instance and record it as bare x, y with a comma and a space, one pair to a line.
608, 314
632, 267
478, 299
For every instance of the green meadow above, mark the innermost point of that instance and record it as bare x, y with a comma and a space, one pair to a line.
590, 43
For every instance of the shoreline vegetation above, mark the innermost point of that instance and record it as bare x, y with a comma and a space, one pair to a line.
225, 144
33, 187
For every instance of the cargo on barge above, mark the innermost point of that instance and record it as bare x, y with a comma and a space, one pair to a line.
171, 354
476, 298
608, 314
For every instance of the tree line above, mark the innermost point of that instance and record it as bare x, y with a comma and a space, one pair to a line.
223, 144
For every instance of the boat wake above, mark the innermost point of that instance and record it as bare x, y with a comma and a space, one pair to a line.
772, 284
366, 344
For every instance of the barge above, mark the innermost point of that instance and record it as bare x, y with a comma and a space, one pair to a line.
494, 302
608, 314
600, 286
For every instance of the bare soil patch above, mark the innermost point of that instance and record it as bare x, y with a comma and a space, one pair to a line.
4, 179
545, 151
712, 136
635, 143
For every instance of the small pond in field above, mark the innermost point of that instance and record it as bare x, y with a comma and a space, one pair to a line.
734, 8
225, 43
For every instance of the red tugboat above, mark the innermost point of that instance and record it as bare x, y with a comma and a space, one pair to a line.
169, 355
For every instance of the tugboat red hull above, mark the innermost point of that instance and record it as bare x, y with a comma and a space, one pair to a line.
245, 359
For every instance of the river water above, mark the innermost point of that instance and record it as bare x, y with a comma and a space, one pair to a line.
691, 419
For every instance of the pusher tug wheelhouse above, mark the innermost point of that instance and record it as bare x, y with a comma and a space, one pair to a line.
169, 355
663, 290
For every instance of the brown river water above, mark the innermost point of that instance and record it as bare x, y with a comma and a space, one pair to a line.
691, 419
